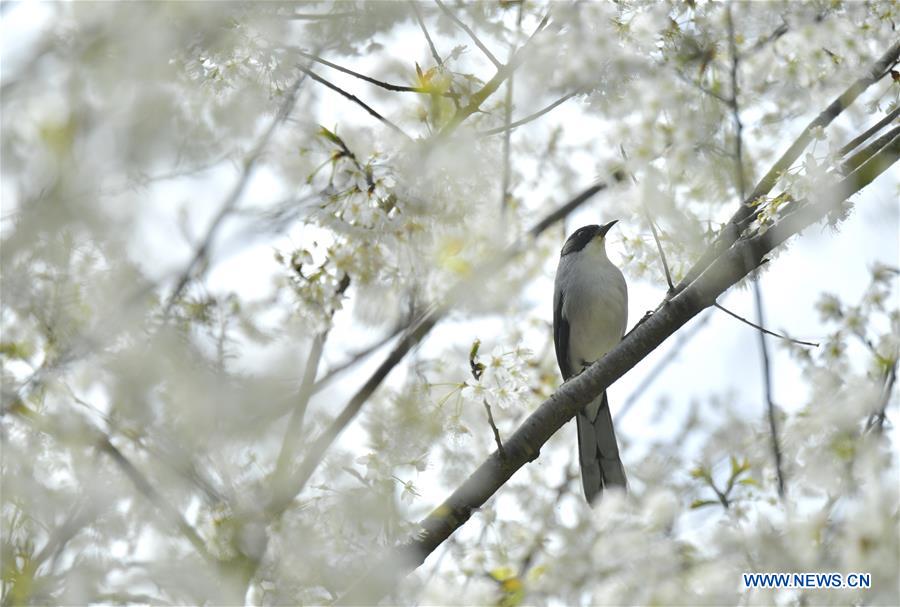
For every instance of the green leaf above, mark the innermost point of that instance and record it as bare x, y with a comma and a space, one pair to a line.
16, 350
702, 503
329, 135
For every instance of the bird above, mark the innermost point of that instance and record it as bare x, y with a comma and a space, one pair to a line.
590, 313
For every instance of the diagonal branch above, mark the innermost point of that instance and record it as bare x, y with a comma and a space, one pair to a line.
851, 164
355, 100
354, 359
764, 330
149, 491
307, 389
671, 355
854, 143
731, 231
397, 88
471, 33
479, 96
434, 52
525, 443
234, 196
529, 118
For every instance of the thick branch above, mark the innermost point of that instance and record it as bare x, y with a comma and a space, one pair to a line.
525, 444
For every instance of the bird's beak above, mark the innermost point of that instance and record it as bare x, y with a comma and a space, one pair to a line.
605, 227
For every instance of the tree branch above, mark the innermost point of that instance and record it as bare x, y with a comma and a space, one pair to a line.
529, 118
434, 53
671, 356
729, 234
354, 358
355, 100
307, 388
653, 230
525, 444
479, 96
757, 289
398, 88
851, 164
145, 488
764, 330
854, 143
234, 196
497, 440
876, 421
472, 35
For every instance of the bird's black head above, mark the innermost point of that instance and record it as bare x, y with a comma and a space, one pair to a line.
584, 235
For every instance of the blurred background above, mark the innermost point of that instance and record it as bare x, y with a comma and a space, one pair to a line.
219, 218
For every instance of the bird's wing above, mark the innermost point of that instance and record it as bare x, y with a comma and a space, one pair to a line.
561, 338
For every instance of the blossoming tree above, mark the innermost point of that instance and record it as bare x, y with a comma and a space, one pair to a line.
276, 284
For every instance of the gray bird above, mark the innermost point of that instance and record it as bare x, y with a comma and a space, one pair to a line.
590, 311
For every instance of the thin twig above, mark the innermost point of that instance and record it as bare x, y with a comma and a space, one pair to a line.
317, 16
294, 430
490, 415
780, 31
652, 224
701, 88
529, 118
662, 255
355, 100
861, 157
399, 88
761, 329
293, 433
179, 463
767, 383
507, 120
876, 421
354, 359
671, 356
234, 196
434, 52
479, 96
757, 289
853, 143
472, 35
149, 491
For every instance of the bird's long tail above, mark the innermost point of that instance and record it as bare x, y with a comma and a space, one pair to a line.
597, 449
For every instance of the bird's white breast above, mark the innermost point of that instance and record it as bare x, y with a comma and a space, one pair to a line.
595, 304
